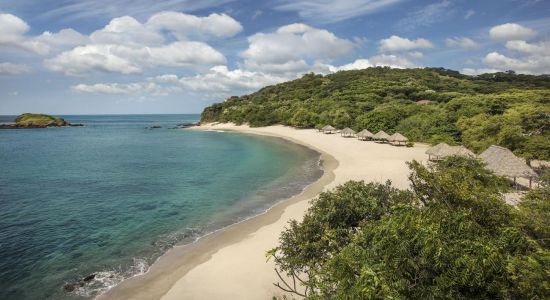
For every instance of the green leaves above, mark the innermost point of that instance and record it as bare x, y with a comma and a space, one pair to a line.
452, 237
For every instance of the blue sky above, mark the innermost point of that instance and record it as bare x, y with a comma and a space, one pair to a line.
177, 56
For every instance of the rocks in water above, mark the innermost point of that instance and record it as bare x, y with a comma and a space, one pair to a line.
187, 125
71, 287
28, 120
153, 127
88, 278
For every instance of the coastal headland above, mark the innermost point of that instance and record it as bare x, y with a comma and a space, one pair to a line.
231, 262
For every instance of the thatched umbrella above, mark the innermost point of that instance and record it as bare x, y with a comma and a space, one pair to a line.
347, 132
462, 151
364, 134
328, 129
437, 152
381, 136
397, 137
503, 162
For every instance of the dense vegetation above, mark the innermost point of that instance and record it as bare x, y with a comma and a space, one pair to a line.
506, 109
450, 237
28, 119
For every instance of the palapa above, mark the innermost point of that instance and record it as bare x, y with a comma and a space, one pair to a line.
364, 134
381, 136
347, 132
397, 137
328, 129
443, 150
503, 162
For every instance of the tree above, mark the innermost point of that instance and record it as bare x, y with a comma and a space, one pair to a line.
451, 237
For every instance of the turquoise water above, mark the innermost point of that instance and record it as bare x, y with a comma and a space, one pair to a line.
109, 198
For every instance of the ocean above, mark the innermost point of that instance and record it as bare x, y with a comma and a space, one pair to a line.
83, 208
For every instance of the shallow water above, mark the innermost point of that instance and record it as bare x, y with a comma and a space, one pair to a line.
109, 198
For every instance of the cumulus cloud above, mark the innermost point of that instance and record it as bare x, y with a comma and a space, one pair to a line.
13, 32
117, 88
133, 59
7, 68
217, 79
183, 25
396, 43
530, 64
128, 46
511, 31
461, 42
541, 48
472, 71
329, 11
220, 78
290, 46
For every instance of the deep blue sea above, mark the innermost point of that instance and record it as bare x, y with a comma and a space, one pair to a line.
110, 197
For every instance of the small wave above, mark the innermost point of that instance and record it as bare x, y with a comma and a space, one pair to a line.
97, 283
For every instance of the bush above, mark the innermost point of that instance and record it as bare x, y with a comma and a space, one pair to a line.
451, 237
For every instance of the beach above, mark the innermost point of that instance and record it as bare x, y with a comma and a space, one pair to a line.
231, 262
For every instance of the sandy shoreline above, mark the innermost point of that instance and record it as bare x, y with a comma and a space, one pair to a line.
231, 263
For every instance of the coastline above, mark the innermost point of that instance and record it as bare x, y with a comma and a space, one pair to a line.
231, 261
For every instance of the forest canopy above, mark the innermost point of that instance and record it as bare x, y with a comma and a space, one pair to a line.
426, 105
450, 237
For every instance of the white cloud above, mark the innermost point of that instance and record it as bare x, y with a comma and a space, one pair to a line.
511, 31
382, 60
541, 48
150, 88
220, 78
133, 59
330, 11
396, 43
530, 64
470, 13
184, 25
427, 16
128, 46
13, 34
7, 68
471, 71
126, 31
292, 45
461, 42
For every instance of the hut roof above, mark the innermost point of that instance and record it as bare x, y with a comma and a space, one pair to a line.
397, 137
328, 127
503, 162
437, 149
365, 133
347, 130
462, 151
381, 135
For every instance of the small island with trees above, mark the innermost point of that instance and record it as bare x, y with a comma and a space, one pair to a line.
28, 120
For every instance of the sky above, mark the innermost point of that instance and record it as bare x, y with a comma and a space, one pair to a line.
178, 56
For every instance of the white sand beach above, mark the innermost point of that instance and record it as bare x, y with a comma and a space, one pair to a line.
231, 263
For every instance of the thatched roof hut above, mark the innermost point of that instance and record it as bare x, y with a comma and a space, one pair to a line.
397, 138
347, 132
435, 150
381, 136
462, 151
443, 150
503, 162
364, 134
328, 129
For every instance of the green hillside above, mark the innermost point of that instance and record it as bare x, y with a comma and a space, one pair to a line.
506, 109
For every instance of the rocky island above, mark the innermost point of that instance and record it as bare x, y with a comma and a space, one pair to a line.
28, 120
